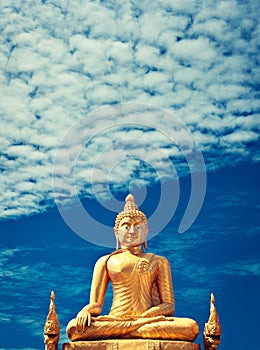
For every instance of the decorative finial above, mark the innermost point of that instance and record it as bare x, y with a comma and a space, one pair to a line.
130, 203
52, 327
130, 198
212, 330
52, 297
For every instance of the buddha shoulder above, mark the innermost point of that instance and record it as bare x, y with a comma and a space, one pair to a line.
161, 260
101, 262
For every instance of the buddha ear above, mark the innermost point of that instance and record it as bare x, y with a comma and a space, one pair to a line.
117, 241
117, 238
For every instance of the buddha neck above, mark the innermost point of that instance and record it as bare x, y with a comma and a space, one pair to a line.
137, 250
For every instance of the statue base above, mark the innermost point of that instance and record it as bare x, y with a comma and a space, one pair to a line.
133, 344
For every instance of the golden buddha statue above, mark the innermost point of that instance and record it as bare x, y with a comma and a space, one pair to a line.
143, 301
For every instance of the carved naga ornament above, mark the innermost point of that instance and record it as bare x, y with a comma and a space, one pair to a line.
212, 330
52, 327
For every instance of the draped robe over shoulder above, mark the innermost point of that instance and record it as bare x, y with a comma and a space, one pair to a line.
140, 285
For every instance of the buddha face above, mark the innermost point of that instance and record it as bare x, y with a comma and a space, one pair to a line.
132, 231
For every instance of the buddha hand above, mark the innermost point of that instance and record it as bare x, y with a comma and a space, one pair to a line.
85, 315
83, 320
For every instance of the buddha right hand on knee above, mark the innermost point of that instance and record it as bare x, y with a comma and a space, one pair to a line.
84, 316
83, 320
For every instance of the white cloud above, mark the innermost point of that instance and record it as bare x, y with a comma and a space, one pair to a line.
242, 268
240, 137
199, 52
224, 92
214, 27
59, 61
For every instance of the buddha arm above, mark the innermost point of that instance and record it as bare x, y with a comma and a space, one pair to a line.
98, 288
165, 290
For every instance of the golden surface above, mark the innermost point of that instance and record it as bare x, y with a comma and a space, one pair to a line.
212, 331
52, 327
143, 301
131, 344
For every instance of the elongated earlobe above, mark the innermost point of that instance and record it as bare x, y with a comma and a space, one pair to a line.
117, 242
145, 245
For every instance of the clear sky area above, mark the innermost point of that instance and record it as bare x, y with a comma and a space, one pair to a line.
102, 98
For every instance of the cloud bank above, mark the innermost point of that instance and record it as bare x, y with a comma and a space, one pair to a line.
60, 60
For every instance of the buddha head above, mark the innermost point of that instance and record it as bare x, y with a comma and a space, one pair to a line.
131, 225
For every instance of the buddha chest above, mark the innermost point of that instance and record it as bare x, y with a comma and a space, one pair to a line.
125, 266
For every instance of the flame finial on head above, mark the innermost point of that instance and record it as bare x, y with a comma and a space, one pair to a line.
130, 203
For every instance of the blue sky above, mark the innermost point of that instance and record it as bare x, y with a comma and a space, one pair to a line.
102, 97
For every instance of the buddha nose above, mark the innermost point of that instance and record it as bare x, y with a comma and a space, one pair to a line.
132, 229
